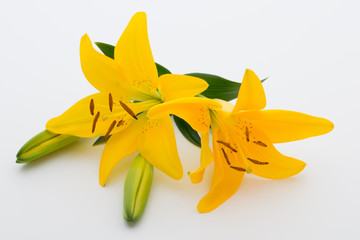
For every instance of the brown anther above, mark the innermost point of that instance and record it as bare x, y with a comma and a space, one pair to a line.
92, 106
227, 145
121, 122
109, 130
225, 156
257, 162
239, 169
247, 134
260, 143
111, 103
129, 111
95, 121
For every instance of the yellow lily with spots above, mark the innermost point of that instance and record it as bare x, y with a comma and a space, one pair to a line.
243, 136
129, 86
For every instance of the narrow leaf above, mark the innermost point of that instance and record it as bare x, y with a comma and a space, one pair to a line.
187, 131
219, 87
101, 140
107, 49
162, 70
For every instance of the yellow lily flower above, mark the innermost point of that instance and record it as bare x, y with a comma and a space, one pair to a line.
243, 136
129, 85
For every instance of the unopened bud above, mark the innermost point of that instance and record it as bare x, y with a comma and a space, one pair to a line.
43, 144
137, 188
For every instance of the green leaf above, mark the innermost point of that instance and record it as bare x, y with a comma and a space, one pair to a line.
187, 131
108, 50
137, 188
162, 70
42, 144
101, 140
219, 87
264, 79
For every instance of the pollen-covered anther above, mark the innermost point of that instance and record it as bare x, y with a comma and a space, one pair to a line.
260, 143
111, 102
92, 107
257, 162
225, 156
109, 130
227, 145
95, 121
128, 110
247, 134
238, 169
121, 122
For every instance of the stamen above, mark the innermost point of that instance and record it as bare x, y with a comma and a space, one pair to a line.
95, 120
92, 107
121, 122
257, 162
109, 130
111, 103
247, 134
227, 145
260, 143
225, 156
239, 169
126, 108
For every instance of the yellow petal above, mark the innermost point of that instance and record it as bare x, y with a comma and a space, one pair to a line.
193, 110
157, 145
251, 94
102, 72
225, 183
285, 126
206, 158
262, 157
134, 55
81, 121
119, 146
173, 86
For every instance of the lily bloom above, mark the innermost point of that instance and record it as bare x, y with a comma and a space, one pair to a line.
129, 86
243, 136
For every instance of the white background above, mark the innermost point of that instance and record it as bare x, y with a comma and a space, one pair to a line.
310, 50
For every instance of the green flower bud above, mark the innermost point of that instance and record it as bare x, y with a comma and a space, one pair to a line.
43, 144
137, 188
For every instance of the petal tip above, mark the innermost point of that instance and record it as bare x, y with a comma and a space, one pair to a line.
194, 178
331, 125
85, 39
102, 182
141, 16
178, 175
202, 208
